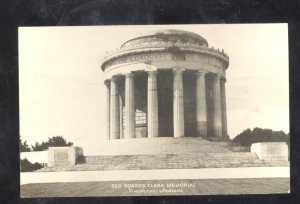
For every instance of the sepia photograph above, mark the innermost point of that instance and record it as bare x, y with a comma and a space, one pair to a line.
154, 110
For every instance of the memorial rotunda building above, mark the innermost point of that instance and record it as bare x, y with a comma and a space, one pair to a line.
166, 83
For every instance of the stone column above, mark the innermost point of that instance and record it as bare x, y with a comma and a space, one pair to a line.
223, 106
129, 106
121, 117
114, 110
107, 85
178, 114
152, 105
217, 116
201, 104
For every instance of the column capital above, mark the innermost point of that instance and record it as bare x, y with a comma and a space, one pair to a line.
151, 69
113, 78
129, 74
216, 76
223, 79
180, 70
152, 73
201, 72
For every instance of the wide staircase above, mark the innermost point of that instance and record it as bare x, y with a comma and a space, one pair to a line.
167, 153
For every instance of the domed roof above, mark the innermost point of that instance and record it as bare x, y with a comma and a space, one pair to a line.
172, 32
168, 35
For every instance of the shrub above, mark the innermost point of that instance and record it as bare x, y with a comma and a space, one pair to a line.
27, 166
248, 137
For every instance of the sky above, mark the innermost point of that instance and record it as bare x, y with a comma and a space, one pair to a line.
62, 89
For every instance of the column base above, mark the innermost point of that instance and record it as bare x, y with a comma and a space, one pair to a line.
179, 135
202, 128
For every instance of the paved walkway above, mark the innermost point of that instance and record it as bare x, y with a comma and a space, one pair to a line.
155, 174
158, 187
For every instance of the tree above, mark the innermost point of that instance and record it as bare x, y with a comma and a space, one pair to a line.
58, 141
23, 146
248, 136
55, 141
39, 147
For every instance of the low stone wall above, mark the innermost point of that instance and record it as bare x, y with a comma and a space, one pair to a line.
271, 151
63, 156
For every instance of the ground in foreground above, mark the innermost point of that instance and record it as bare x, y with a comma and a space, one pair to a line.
158, 187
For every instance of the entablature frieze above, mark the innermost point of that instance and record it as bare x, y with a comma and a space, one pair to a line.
166, 57
158, 54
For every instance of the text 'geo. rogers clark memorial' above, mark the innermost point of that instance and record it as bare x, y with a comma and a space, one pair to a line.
167, 83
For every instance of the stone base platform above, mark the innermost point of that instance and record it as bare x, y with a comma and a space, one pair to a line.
162, 145
168, 161
166, 153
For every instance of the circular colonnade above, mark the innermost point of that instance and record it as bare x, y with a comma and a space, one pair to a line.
166, 83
